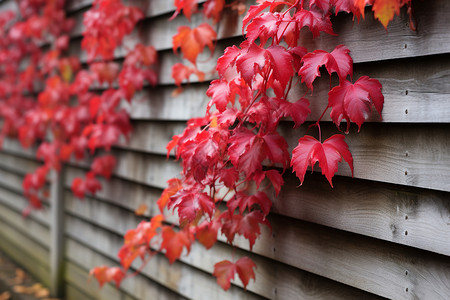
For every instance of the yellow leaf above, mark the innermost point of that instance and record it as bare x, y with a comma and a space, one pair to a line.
141, 210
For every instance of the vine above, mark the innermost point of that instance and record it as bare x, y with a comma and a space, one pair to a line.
232, 158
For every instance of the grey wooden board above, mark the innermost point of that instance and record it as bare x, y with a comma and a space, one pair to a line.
83, 284
385, 269
25, 251
153, 170
395, 153
367, 40
376, 266
118, 220
382, 211
73, 293
16, 201
273, 280
16, 253
178, 277
11, 180
32, 229
18, 165
413, 217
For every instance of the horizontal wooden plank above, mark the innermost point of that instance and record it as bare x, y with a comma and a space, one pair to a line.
13, 147
386, 269
73, 293
394, 153
403, 154
415, 90
178, 277
16, 253
31, 255
35, 231
16, 201
367, 40
153, 170
139, 286
83, 284
18, 165
11, 180
273, 280
383, 211
413, 217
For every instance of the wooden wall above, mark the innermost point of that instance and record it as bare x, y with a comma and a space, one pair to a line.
383, 233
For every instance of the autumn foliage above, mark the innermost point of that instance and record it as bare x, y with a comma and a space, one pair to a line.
233, 157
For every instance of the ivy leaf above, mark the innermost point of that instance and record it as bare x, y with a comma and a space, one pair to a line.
206, 233
104, 165
353, 101
224, 271
188, 7
276, 179
190, 204
384, 10
328, 154
212, 9
338, 61
315, 21
244, 268
105, 274
263, 27
298, 111
174, 242
193, 41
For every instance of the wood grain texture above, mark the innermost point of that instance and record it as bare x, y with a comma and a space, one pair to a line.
323, 251
83, 284
274, 280
26, 252
385, 269
367, 40
16, 201
33, 230
138, 287
178, 277
16, 253
417, 156
413, 217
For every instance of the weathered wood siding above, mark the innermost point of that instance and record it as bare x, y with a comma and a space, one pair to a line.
383, 233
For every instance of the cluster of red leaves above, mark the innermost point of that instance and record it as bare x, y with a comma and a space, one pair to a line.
233, 158
65, 109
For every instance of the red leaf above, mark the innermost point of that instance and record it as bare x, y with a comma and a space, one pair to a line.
353, 101
188, 7
244, 268
224, 271
276, 179
212, 9
309, 151
264, 26
206, 233
190, 204
105, 274
338, 61
193, 41
315, 21
104, 165
276, 148
298, 111
173, 186
174, 242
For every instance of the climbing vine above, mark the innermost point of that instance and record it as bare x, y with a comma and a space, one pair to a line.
233, 158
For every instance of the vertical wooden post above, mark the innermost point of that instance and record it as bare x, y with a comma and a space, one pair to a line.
57, 233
